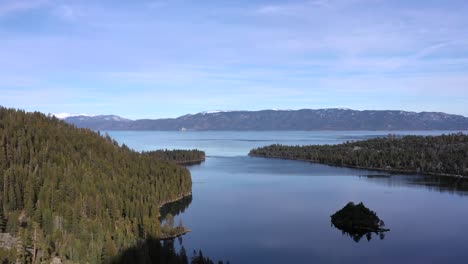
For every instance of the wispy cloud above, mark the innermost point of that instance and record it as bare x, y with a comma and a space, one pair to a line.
67, 12
293, 8
9, 7
285, 54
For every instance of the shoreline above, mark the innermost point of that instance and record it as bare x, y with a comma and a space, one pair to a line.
169, 237
175, 200
186, 230
364, 168
190, 162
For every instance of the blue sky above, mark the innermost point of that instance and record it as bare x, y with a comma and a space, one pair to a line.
150, 59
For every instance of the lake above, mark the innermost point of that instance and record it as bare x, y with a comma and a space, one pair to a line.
257, 210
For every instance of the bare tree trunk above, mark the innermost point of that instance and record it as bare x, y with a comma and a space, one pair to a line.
35, 248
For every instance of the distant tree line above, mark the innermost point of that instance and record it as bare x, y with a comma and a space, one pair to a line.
179, 156
76, 194
442, 155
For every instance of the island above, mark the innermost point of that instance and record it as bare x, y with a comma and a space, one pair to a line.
445, 155
357, 220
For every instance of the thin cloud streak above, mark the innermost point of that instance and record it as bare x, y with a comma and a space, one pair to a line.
9, 7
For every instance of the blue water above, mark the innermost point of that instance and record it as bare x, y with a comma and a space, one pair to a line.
257, 210
238, 143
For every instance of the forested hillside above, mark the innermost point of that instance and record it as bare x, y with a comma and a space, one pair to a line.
446, 154
73, 193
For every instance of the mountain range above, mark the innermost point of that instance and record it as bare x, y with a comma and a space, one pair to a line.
303, 119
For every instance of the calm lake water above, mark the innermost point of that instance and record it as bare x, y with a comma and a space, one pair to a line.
257, 210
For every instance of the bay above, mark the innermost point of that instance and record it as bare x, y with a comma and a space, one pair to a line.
257, 210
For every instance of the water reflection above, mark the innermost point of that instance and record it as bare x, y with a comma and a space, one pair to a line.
443, 184
357, 235
164, 251
175, 208
152, 250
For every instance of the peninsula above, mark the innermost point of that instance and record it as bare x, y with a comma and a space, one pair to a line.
435, 155
78, 195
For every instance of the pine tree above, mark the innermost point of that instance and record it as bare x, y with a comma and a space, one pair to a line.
109, 250
183, 256
29, 197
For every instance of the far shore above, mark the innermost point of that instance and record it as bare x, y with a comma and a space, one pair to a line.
365, 168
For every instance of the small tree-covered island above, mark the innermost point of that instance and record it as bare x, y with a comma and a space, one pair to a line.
74, 195
436, 155
357, 220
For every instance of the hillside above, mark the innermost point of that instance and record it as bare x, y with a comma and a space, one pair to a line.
76, 194
304, 119
440, 155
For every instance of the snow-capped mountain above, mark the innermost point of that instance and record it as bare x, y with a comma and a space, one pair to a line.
99, 122
66, 115
304, 119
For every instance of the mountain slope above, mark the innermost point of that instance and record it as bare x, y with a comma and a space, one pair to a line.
98, 122
74, 193
304, 119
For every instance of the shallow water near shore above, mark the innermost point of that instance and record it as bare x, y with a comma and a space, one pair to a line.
257, 210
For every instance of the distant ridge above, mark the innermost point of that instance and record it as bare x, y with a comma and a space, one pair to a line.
304, 119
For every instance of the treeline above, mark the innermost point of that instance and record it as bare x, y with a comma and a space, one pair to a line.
179, 156
441, 155
75, 194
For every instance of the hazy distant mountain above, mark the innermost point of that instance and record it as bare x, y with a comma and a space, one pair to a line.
99, 122
304, 119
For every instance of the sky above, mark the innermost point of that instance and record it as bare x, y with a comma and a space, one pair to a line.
153, 59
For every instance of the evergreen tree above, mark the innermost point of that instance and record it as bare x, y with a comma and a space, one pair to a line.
183, 256
109, 251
